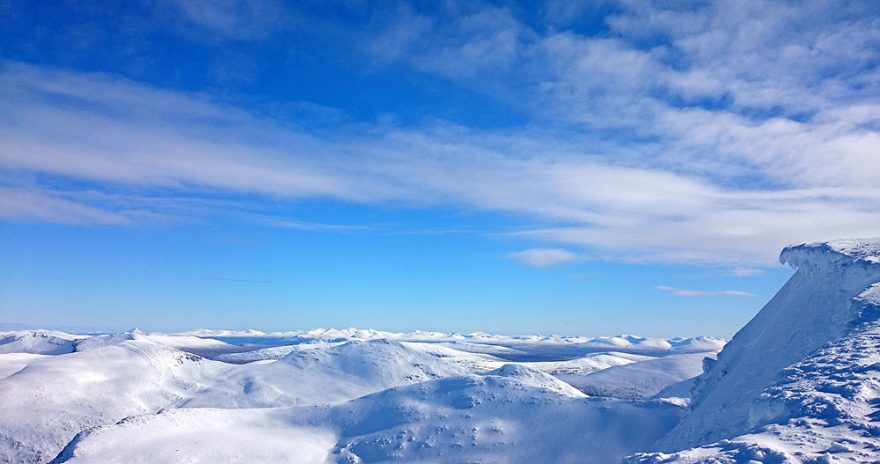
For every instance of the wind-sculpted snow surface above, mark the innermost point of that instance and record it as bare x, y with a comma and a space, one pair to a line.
801, 382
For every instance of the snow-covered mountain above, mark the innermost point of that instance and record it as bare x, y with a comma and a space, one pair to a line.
90, 391
53, 398
801, 381
322, 376
640, 379
38, 342
514, 414
799, 384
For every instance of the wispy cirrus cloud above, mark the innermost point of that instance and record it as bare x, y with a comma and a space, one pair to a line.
235, 19
544, 257
683, 135
701, 293
44, 206
740, 91
745, 272
129, 137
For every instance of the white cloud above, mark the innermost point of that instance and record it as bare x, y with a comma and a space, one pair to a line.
699, 293
134, 136
544, 257
711, 145
42, 206
763, 91
401, 31
237, 19
462, 41
745, 272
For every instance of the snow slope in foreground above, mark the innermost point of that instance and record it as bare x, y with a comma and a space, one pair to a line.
514, 414
202, 436
801, 382
55, 397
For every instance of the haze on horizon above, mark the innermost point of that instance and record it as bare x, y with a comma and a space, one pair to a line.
588, 168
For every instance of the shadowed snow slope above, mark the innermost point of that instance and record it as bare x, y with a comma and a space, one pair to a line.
801, 381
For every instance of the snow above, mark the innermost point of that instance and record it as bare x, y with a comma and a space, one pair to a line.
37, 342
496, 417
800, 383
475, 362
133, 376
489, 419
334, 375
867, 250
821, 334
587, 364
10, 363
813, 308
54, 398
640, 379
822, 409
188, 343
537, 379
481, 362
507, 347
201, 436
265, 354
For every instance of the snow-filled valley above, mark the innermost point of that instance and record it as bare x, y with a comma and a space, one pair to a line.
800, 383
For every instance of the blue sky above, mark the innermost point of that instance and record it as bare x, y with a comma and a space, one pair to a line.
561, 167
